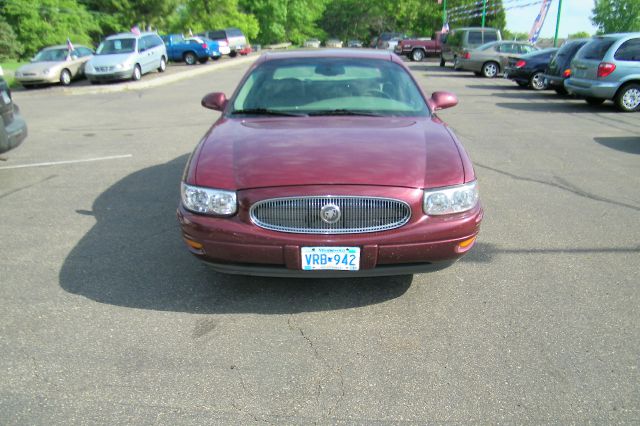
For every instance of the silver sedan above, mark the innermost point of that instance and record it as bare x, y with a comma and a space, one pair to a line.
491, 59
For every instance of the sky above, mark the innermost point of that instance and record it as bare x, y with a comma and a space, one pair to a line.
574, 17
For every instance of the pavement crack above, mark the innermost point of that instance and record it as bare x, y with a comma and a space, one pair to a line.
563, 185
22, 188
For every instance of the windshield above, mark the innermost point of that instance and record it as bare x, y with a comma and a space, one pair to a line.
117, 46
596, 48
51, 55
487, 45
329, 86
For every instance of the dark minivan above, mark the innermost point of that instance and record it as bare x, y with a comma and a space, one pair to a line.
559, 68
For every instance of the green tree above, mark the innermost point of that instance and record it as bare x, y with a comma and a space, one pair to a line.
580, 34
518, 36
10, 47
115, 16
616, 16
40, 23
202, 15
468, 13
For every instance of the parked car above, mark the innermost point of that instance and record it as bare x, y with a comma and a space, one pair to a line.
54, 64
283, 183
559, 67
417, 49
491, 59
312, 43
373, 43
608, 68
528, 70
333, 43
127, 56
460, 40
229, 37
354, 44
389, 40
13, 128
190, 50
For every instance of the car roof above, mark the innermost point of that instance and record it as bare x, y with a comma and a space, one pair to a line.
329, 53
62, 46
130, 35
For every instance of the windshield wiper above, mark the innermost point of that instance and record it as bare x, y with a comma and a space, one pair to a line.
266, 111
345, 112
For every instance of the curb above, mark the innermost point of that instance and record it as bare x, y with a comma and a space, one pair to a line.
160, 81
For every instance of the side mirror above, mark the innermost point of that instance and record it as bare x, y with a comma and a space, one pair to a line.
442, 100
216, 101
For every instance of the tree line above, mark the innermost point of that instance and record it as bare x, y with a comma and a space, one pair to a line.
27, 26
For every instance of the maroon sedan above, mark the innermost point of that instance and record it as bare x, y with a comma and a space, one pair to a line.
329, 163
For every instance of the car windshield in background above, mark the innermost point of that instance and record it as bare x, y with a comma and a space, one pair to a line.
596, 49
51, 55
330, 86
117, 46
487, 45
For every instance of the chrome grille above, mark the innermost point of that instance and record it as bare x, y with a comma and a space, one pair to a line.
302, 214
104, 69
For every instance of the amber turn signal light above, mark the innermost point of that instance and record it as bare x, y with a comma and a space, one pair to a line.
193, 244
465, 245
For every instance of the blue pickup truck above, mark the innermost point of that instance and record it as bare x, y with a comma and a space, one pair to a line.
190, 49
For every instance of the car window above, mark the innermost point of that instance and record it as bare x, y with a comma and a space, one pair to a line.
235, 33
116, 46
595, 49
475, 37
142, 45
525, 48
490, 36
508, 48
320, 85
629, 50
83, 51
217, 35
51, 55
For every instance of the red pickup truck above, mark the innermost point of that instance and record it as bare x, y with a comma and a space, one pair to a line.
418, 49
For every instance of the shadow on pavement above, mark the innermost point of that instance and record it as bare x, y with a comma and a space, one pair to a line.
580, 107
134, 257
630, 144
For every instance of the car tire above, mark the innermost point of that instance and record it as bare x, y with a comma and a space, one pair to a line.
215, 58
417, 55
163, 65
594, 101
536, 81
561, 91
442, 61
233, 54
190, 58
203, 60
490, 69
628, 98
137, 73
65, 77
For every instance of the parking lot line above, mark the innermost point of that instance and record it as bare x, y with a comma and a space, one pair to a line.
56, 163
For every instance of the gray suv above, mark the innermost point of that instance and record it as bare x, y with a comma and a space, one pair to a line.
127, 56
608, 67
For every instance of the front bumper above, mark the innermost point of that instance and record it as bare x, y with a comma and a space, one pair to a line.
37, 79
591, 88
235, 245
110, 76
554, 81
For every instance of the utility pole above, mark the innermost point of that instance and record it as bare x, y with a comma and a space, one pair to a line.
555, 38
444, 12
484, 11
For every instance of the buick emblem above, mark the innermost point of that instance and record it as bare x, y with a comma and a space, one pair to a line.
330, 213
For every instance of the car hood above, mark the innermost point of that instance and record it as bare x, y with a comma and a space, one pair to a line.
109, 60
257, 153
38, 67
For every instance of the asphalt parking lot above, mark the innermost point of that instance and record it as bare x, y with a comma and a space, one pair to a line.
105, 317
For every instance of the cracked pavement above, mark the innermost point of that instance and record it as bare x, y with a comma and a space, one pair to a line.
105, 317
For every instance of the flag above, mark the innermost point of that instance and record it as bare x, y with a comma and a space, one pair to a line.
539, 22
190, 33
135, 30
445, 28
69, 45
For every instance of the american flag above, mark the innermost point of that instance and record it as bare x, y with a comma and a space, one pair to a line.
445, 28
69, 45
135, 30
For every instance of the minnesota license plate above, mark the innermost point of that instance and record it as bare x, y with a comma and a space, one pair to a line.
330, 258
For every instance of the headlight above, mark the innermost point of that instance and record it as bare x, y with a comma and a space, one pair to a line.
209, 201
119, 66
451, 199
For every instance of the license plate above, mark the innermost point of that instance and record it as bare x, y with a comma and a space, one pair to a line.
330, 258
5, 98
